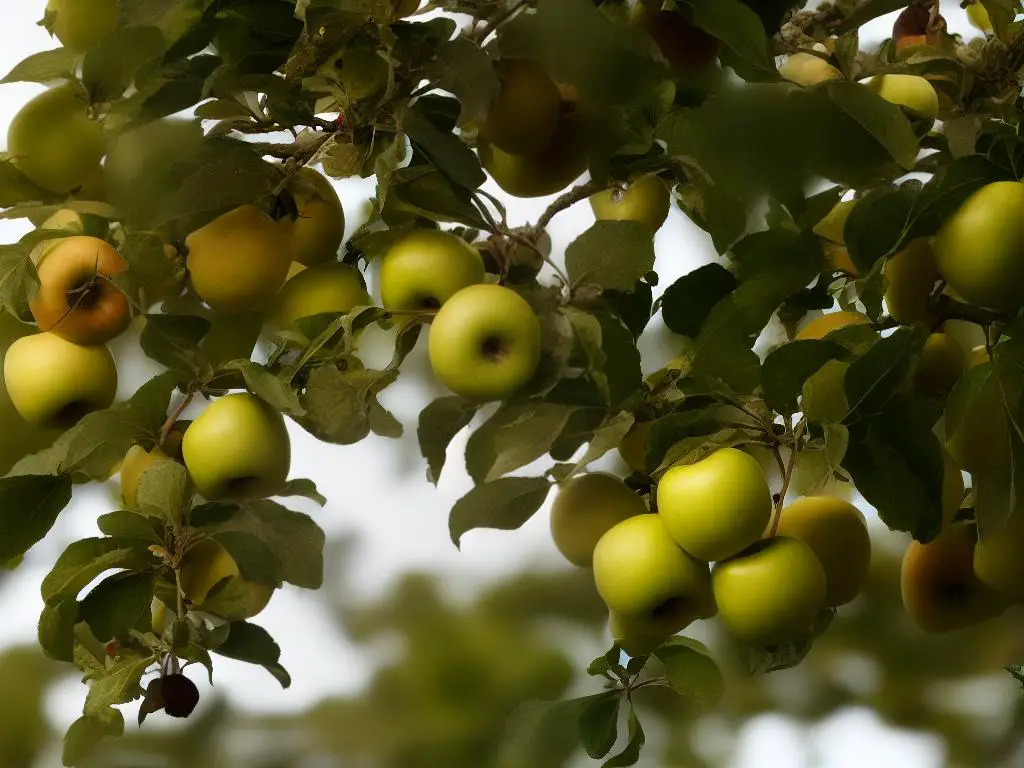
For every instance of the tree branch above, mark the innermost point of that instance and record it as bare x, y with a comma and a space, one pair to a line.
787, 476
567, 200
497, 19
951, 309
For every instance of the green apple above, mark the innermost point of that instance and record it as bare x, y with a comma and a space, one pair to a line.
640, 573
138, 460
716, 507
940, 366
837, 533
54, 141
911, 276
646, 200
485, 342
17, 439
940, 589
53, 383
523, 117
912, 92
320, 289
80, 24
425, 268
980, 248
238, 448
316, 233
771, 593
979, 17
206, 565
585, 508
158, 616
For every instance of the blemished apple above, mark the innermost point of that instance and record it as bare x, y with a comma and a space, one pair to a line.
485, 342
76, 299
238, 262
54, 142
640, 572
586, 507
771, 593
319, 289
646, 200
837, 533
716, 507
425, 268
238, 448
53, 383
316, 232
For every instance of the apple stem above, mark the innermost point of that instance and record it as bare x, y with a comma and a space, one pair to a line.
787, 476
175, 415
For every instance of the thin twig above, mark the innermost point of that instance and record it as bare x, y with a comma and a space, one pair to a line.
570, 198
787, 476
168, 425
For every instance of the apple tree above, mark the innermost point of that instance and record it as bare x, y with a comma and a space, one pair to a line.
857, 330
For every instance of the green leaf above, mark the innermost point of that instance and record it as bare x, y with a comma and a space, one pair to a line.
257, 560
340, 406
465, 70
117, 604
43, 67
747, 48
18, 278
111, 65
129, 525
1016, 672
303, 488
421, 190
164, 491
686, 303
503, 504
120, 683
295, 539
598, 723
691, 671
605, 438
883, 120
29, 506
252, 644
439, 423
868, 10
56, 630
631, 754
86, 559
148, 265
173, 341
276, 391
513, 437
86, 733
872, 379
446, 151
788, 367
611, 254
824, 395
876, 224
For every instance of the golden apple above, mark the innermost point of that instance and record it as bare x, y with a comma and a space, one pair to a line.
977, 14
912, 92
999, 558
317, 231
206, 564
806, 69
646, 200
823, 325
320, 289
632, 449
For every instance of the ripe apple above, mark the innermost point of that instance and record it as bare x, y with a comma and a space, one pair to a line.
522, 118
320, 289
977, 14
238, 448
80, 24
980, 248
206, 564
837, 533
53, 383
833, 226
940, 366
685, 46
76, 299
912, 92
940, 590
427, 267
137, 460
485, 342
641, 635
54, 142
641, 573
806, 69
823, 325
631, 447
911, 275
999, 558
716, 507
913, 27
17, 439
238, 261
583, 511
646, 200
316, 233
771, 593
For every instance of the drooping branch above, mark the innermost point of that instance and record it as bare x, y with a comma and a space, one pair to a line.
567, 200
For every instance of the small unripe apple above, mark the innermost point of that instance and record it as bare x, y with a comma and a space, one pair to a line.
716, 507
771, 593
320, 289
523, 117
485, 342
806, 69
821, 326
586, 507
425, 268
206, 565
646, 200
80, 24
238, 448
54, 383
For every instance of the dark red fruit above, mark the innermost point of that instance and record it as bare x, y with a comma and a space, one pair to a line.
180, 695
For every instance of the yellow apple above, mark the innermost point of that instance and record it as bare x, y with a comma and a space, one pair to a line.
80, 24
823, 325
53, 383
206, 564
320, 289
138, 460
485, 342
716, 507
912, 92
646, 200
425, 268
17, 438
977, 14
317, 231
911, 275
585, 508
522, 118
806, 69
833, 226
982, 439
238, 261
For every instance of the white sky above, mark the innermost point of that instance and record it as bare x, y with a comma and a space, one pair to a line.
378, 490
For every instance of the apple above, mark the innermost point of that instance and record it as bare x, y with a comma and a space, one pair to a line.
17, 439
320, 289
912, 92
838, 259
980, 248
641, 573
53, 383
833, 226
80, 24
685, 46
317, 231
771, 593
807, 70
238, 261
837, 533
999, 558
940, 590
206, 565
485, 342
585, 508
523, 116
646, 200
425, 268
940, 366
640, 635
982, 439
716, 507
911, 276
138, 460
823, 325
238, 448
54, 142
632, 448
913, 27
977, 14
76, 299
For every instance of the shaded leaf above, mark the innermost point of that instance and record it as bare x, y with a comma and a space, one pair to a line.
504, 504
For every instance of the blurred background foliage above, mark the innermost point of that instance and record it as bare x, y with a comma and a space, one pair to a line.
449, 675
